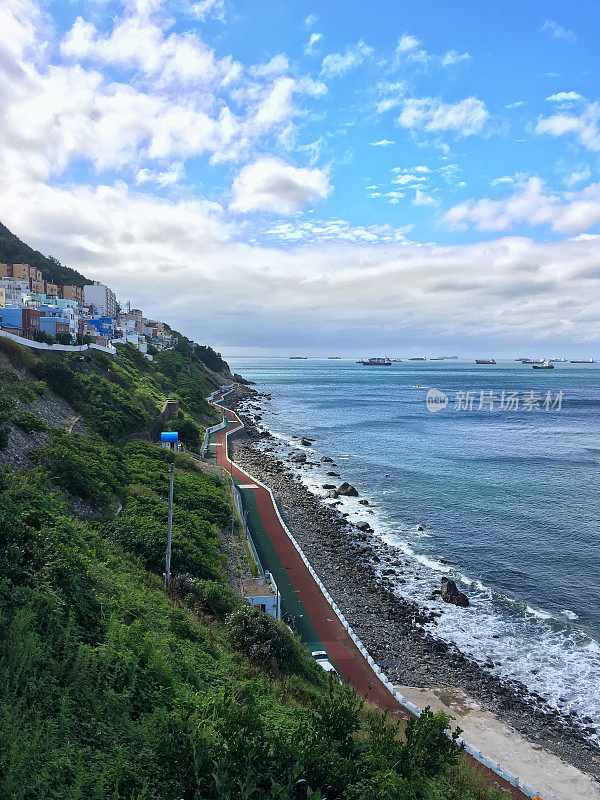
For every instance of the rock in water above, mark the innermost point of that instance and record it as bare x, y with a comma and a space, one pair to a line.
299, 458
347, 490
305, 442
326, 460
451, 594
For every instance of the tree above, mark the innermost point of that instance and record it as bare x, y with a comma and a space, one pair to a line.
42, 336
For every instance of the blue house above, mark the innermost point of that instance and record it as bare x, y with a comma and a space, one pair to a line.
104, 326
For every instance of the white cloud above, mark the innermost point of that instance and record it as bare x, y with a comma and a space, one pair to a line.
409, 50
165, 178
315, 38
452, 57
276, 66
503, 179
202, 9
407, 43
564, 97
382, 143
585, 126
421, 198
532, 204
338, 230
577, 177
139, 43
402, 180
556, 31
269, 184
466, 117
311, 20
336, 64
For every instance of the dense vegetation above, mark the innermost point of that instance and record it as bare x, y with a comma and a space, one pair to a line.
13, 250
111, 687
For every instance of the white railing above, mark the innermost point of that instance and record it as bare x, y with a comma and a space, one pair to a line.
219, 426
62, 348
508, 776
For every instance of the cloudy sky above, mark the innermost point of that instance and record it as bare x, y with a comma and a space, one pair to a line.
283, 177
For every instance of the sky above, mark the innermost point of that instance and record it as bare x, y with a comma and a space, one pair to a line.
278, 178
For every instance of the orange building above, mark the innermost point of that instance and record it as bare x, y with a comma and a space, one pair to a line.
71, 293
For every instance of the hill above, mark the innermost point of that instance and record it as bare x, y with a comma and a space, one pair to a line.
113, 687
13, 250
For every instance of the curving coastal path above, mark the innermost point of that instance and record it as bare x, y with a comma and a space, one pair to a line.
317, 622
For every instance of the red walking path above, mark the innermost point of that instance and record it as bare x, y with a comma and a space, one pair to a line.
344, 653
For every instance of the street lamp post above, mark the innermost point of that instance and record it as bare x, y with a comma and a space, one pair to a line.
169, 529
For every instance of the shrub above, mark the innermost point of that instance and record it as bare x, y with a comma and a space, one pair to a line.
42, 336
218, 599
266, 643
29, 422
84, 465
189, 432
18, 354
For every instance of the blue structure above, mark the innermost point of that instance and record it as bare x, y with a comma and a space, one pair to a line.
11, 317
48, 324
104, 326
170, 440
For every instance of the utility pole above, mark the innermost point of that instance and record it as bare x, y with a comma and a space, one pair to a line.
169, 529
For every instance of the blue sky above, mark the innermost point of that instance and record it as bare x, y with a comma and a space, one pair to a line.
331, 170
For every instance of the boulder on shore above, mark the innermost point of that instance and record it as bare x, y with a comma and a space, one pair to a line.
299, 458
326, 460
347, 490
332, 493
305, 442
450, 593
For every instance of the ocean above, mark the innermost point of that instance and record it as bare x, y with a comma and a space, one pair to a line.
504, 501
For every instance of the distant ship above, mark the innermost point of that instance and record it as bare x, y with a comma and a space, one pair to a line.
449, 358
376, 362
298, 358
562, 360
397, 360
437, 358
485, 361
334, 358
418, 358
543, 365
585, 361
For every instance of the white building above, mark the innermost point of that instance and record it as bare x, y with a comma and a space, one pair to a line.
16, 293
103, 298
132, 337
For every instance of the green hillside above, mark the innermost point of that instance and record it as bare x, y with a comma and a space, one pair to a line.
13, 250
110, 686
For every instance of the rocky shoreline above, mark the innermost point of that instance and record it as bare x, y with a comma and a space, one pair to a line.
352, 563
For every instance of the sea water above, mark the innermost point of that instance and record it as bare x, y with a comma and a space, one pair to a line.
504, 502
